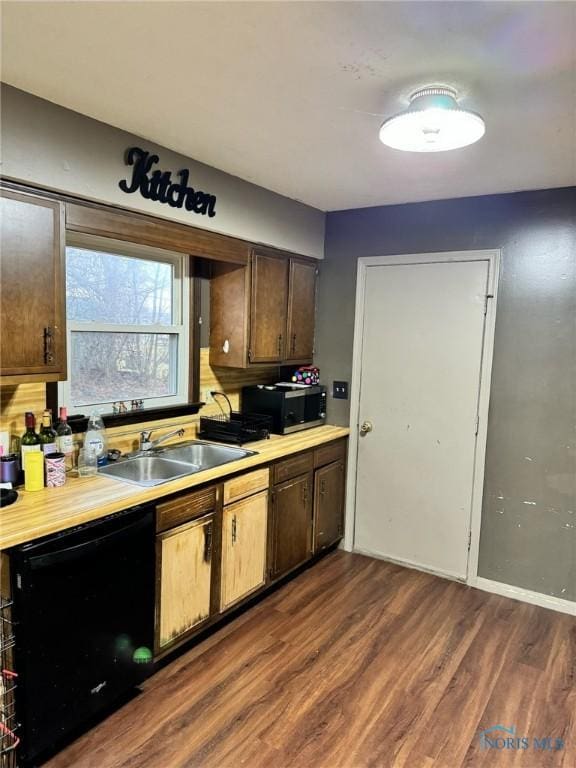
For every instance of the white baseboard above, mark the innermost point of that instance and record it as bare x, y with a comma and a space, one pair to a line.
488, 585
525, 595
410, 564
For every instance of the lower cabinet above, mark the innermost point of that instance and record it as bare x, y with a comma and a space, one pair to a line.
184, 574
328, 505
221, 543
244, 525
291, 524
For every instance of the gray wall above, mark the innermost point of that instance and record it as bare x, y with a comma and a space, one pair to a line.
52, 147
531, 451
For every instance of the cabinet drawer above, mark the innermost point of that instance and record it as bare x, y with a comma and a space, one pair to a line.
184, 508
245, 485
326, 454
292, 467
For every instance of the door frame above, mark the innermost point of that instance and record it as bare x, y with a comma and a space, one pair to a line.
492, 256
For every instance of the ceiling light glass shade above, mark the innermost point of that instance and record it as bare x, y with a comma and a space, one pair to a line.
432, 123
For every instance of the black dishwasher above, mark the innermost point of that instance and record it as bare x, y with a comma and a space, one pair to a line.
84, 612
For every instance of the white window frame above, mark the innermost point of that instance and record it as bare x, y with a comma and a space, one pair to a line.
180, 327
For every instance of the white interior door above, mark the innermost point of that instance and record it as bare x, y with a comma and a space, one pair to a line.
421, 361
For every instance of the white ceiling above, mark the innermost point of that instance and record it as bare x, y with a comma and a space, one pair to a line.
279, 93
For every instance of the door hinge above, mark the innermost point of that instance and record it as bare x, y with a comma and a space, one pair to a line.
469, 540
250, 355
477, 424
486, 299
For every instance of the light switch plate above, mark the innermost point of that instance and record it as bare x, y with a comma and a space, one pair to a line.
340, 390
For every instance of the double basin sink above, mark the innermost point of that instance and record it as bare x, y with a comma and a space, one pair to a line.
171, 462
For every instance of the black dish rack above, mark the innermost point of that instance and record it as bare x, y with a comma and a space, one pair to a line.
234, 427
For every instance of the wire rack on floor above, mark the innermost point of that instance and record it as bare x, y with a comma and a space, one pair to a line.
8, 723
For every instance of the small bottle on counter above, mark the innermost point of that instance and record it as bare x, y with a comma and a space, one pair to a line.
48, 434
65, 440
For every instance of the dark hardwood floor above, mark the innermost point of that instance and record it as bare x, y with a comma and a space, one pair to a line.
355, 663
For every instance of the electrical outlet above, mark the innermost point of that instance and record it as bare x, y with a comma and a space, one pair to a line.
207, 397
340, 390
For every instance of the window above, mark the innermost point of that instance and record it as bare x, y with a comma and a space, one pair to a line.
127, 319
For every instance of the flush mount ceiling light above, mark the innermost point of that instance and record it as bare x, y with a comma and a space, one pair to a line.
432, 123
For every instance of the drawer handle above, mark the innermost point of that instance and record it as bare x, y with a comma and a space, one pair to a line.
234, 530
48, 345
208, 543
322, 487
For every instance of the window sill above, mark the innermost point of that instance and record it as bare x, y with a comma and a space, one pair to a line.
79, 423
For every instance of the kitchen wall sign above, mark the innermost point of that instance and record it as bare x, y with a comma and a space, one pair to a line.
158, 185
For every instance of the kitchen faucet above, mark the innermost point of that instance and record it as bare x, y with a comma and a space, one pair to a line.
147, 445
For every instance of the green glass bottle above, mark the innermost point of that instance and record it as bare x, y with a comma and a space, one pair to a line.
30, 440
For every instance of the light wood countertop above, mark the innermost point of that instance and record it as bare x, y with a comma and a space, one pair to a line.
37, 514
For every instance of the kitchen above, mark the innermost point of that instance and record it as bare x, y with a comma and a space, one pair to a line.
271, 556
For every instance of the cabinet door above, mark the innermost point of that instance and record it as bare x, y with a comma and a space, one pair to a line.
268, 308
244, 525
328, 505
291, 524
184, 569
301, 306
32, 291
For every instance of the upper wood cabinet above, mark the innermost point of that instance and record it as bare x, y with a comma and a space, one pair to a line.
32, 292
263, 314
268, 308
301, 306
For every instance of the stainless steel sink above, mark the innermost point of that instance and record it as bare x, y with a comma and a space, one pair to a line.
147, 470
163, 464
205, 455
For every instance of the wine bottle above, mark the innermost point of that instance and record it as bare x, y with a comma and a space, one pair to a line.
65, 440
30, 440
48, 435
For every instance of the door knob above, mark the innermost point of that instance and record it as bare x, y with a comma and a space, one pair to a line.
366, 427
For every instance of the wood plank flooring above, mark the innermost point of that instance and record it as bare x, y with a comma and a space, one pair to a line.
355, 663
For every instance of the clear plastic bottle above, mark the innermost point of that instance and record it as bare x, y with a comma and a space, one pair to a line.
96, 437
